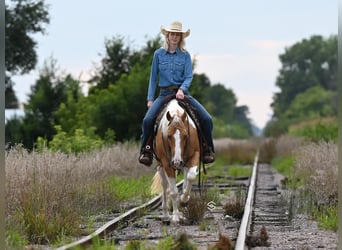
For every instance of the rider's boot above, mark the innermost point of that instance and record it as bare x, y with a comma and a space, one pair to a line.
208, 155
146, 155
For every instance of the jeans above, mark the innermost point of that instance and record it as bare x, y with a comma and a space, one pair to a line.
151, 114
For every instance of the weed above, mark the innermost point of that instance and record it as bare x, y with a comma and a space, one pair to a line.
224, 243
327, 217
182, 242
196, 208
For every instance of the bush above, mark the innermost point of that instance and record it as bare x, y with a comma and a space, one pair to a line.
76, 143
317, 130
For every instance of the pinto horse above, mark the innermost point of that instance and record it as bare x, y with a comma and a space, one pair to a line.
177, 146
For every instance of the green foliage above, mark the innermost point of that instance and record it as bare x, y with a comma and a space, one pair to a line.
72, 113
23, 18
98, 244
307, 83
115, 106
165, 243
308, 63
14, 239
315, 102
284, 165
114, 63
39, 219
48, 93
14, 130
129, 188
327, 218
234, 130
239, 171
221, 102
76, 143
326, 131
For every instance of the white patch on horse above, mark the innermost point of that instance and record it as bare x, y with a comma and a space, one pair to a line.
178, 154
192, 173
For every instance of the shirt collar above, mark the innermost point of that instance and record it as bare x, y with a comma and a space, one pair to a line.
178, 50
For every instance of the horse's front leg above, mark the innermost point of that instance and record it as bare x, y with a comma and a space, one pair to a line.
165, 211
190, 175
176, 216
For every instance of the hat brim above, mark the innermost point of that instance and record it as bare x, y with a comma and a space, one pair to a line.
165, 31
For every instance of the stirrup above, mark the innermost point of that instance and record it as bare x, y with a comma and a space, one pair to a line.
146, 156
208, 156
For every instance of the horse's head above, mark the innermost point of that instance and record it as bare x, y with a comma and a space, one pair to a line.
177, 137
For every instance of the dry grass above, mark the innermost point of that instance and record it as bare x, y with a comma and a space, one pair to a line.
317, 164
46, 192
236, 151
286, 145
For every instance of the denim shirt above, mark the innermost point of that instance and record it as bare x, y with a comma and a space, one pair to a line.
172, 68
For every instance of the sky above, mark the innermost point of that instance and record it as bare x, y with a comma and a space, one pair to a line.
235, 43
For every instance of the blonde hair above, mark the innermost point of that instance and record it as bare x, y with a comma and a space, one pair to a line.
181, 44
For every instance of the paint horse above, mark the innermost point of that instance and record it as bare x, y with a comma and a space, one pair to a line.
176, 147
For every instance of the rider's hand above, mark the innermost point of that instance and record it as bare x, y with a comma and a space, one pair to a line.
149, 104
180, 94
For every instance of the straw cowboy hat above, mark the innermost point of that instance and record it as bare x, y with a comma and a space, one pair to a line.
175, 27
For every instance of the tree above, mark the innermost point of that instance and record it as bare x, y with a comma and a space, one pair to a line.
315, 102
47, 94
306, 64
23, 19
199, 86
221, 102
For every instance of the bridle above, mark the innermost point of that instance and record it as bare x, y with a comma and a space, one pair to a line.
166, 145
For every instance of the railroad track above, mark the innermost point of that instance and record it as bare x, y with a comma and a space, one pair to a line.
263, 210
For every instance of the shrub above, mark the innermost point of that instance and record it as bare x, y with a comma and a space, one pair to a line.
80, 141
317, 130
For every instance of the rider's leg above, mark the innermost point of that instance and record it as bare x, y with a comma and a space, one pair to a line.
146, 152
206, 123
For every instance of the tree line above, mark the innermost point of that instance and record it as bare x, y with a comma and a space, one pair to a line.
307, 82
115, 104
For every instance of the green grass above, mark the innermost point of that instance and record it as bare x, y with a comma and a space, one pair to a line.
284, 165
239, 171
129, 188
327, 218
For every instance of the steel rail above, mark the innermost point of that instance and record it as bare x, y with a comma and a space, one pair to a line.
111, 225
246, 219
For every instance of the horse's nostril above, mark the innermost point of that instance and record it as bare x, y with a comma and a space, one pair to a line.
176, 163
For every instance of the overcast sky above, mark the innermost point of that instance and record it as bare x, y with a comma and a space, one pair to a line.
236, 43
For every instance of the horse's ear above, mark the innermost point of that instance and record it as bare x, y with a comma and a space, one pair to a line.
168, 116
183, 116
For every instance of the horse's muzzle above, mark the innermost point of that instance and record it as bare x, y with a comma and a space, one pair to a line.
177, 164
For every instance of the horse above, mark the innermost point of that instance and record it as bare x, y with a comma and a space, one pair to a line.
177, 147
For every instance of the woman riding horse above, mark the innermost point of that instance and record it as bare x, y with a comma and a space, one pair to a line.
173, 65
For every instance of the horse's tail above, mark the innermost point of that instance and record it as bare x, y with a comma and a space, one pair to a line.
156, 186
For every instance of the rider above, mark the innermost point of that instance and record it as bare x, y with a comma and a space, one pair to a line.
173, 65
